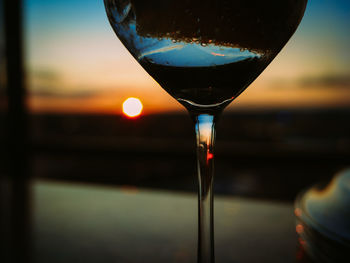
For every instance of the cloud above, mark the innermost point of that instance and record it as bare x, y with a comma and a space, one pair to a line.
45, 74
45, 92
326, 81
48, 83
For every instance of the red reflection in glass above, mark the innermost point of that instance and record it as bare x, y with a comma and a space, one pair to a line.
210, 156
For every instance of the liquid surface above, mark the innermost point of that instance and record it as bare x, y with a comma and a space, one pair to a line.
204, 53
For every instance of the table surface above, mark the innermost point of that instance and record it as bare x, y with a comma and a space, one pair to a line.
88, 223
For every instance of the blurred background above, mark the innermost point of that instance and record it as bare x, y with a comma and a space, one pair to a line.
288, 130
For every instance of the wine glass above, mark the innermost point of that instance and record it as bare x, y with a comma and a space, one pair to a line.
204, 53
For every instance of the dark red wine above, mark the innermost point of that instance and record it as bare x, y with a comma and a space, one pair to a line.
204, 52
206, 85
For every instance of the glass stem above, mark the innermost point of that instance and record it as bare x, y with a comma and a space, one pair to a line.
205, 137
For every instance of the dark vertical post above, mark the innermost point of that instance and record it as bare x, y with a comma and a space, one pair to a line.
18, 165
4, 218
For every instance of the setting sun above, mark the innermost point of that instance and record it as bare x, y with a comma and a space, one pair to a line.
132, 107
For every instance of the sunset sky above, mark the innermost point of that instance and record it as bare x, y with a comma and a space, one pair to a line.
76, 63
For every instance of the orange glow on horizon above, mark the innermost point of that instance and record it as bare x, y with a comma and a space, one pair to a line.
260, 96
132, 107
